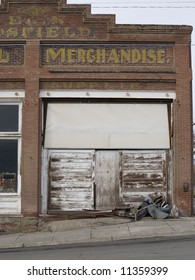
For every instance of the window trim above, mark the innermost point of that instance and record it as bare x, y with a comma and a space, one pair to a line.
10, 133
15, 136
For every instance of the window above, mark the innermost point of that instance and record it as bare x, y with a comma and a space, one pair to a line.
10, 134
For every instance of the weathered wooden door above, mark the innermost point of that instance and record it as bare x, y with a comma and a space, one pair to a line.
106, 179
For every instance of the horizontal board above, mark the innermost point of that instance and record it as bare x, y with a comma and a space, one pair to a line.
129, 176
71, 156
142, 166
138, 186
70, 196
70, 165
77, 185
137, 197
71, 180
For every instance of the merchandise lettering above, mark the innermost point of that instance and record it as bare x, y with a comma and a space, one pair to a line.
133, 56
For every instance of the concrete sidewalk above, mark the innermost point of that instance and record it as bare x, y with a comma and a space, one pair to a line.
98, 229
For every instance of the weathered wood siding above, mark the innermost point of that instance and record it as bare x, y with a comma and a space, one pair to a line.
142, 173
71, 180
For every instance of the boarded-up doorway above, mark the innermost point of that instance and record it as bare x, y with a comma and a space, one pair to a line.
104, 179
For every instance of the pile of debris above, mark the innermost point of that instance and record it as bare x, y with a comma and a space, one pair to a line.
154, 205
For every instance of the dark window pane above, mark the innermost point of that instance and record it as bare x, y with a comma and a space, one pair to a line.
8, 165
8, 118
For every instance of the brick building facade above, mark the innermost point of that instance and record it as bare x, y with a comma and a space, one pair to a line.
94, 115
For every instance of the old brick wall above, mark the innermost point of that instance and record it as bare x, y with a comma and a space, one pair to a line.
25, 27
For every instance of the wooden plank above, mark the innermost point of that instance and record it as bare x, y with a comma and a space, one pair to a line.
143, 186
106, 179
71, 156
61, 176
136, 197
140, 155
71, 165
146, 175
74, 184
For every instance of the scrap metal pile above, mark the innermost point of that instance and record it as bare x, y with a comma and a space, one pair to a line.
154, 205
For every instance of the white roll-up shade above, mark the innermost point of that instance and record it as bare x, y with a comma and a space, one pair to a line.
107, 126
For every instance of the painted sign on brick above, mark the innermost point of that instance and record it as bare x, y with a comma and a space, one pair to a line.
38, 22
11, 55
125, 55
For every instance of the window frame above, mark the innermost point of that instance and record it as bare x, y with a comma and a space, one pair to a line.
17, 135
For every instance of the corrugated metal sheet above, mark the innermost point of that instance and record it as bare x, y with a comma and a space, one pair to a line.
71, 180
142, 173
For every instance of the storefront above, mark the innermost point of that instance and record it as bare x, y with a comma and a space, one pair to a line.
104, 149
93, 115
